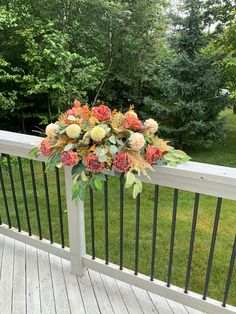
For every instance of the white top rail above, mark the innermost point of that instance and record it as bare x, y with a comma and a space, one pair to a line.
193, 176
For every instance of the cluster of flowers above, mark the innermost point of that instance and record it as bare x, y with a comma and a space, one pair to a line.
96, 140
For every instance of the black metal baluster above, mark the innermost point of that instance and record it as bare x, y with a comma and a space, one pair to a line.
47, 202
191, 246
154, 231
60, 208
92, 221
172, 240
106, 220
24, 195
137, 234
211, 254
121, 220
35, 199
230, 273
5, 198
13, 192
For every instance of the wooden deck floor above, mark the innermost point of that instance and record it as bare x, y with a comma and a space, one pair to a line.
32, 281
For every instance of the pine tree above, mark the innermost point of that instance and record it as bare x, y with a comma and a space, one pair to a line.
189, 84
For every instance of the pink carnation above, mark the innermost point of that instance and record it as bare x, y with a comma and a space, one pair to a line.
76, 104
102, 113
122, 162
69, 158
153, 154
45, 148
93, 164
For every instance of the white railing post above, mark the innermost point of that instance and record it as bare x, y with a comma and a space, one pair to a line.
76, 227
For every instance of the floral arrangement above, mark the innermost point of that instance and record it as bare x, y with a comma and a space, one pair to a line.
95, 140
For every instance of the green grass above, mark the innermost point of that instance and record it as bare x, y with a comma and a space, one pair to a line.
223, 154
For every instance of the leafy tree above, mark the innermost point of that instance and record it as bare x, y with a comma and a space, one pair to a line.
53, 51
190, 85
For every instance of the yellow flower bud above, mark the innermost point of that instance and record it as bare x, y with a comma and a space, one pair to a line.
97, 133
73, 131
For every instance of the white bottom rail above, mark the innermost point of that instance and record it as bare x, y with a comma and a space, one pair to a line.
34, 241
174, 293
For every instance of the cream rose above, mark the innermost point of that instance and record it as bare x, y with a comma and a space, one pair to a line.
136, 141
151, 126
97, 133
73, 131
52, 130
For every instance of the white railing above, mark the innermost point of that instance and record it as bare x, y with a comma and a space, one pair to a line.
194, 177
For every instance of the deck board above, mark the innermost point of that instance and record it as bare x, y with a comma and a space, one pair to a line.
35, 282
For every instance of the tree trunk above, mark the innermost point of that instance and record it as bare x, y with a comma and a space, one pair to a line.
234, 109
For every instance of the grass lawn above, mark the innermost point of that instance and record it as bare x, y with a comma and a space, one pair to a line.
223, 153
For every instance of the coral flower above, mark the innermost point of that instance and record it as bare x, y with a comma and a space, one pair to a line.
153, 154
45, 148
93, 164
102, 113
76, 104
122, 162
69, 158
132, 122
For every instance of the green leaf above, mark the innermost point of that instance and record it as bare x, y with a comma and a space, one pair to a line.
84, 177
77, 169
34, 153
170, 157
136, 190
71, 118
139, 183
148, 139
161, 162
99, 176
113, 149
54, 160
102, 158
98, 184
68, 147
112, 139
119, 141
130, 179
59, 165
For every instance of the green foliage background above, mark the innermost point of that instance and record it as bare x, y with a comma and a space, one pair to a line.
171, 64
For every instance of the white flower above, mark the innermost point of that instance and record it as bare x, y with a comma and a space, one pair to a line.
73, 131
136, 141
151, 126
97, 133
52, 130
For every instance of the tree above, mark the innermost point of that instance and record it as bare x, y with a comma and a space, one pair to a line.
190, 84
224, 44
53, 51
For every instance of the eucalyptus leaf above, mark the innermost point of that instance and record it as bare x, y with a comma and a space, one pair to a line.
112, 139
102, 158
68, 147
113, 149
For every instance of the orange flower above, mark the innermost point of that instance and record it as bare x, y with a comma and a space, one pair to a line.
132, 122
85, 112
